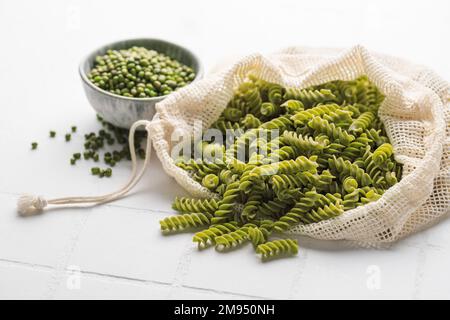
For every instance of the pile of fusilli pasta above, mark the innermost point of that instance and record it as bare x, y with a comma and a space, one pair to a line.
330, 153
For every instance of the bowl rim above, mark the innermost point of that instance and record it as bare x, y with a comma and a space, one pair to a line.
85, 79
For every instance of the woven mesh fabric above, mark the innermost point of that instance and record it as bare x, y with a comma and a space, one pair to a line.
416, 114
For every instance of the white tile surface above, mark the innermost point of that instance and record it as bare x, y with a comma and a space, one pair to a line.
125, 242
88, 286
22, 282
42, 239
118, 247
339, 273
434, 281
241, 271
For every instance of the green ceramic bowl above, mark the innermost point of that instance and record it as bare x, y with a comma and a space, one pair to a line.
124, 111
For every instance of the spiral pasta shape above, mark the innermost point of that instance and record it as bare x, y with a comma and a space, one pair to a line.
382, 153
341, 118
330, 129
304, 116
298, 212
275, 94
277, 248
259, 235
333, 149
292, 106
225, 209
345, 168
369, 165
376, 137
355, 148
270, 109
202, 168
232, 114
307, 179
304, 144
252, 101
350, 184
351, 200
254, 200
227, 176
274, 208
287, 156
248, 180
184, 221
188, 205
369, 195
323, 213
225, 126
281, 123
353, 109
233, 239
309, 98
210, 181
362, 123
281, 154
207, 237
250, 121
287, 167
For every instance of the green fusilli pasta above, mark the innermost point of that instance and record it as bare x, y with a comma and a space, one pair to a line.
363, 122
309, 98
277, 248
184, 221
207, 237
382, 153
304, 144
345, 168
188, 205
233, 239
292, 106
288, 157
338, 134
303, 117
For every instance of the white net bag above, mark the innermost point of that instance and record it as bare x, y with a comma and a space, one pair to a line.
416, 114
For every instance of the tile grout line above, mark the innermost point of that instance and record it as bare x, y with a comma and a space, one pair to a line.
182, 269
64, 258
162, 283
26, 264
420, 265
299, 275
219, 292
144, 282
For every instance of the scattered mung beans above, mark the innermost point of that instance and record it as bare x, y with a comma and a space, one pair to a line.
94, 143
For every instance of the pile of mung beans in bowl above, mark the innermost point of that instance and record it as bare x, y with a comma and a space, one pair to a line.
124, 80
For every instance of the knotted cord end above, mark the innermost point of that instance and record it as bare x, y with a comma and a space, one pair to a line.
30, 204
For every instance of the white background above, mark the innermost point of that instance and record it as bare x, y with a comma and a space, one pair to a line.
116, 250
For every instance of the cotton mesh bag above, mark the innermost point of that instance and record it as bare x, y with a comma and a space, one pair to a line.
415, 112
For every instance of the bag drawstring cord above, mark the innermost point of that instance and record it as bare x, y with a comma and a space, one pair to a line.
28, 204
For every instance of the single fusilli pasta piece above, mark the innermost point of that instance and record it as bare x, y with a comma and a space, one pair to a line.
277, 248
323, 126
207, 237
184, 221
188, 205
345, 168
309, 98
